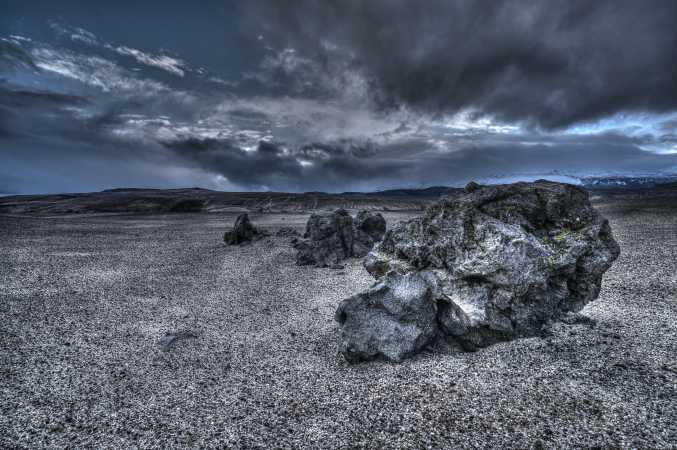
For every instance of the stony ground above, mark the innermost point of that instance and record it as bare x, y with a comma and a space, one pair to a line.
148, 332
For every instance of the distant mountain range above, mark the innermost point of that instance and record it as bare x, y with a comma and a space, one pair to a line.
140, 200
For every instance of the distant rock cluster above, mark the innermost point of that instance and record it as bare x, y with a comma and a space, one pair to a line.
243, 231
492, 264
333, 237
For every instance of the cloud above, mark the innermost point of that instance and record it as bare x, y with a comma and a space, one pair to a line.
25, 112
75, 33
286, 71
346, 96
352, 165
551, 64
95, 71
23, 98
163, 62
12, 56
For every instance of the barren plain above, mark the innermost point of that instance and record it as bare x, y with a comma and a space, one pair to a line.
146, 331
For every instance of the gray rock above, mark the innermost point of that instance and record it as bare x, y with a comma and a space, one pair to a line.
327, 241
393, 319
330, 238
168, 340
509, 258
369, 228
243, 231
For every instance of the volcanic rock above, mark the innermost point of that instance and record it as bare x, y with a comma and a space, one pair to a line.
327, 241
330, 238
369, 228
510, 259
393, 319
243, 231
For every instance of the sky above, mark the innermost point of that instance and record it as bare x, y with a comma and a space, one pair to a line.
333, 95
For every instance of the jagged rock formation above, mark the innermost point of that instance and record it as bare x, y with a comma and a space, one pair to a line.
327, 241
243, 231
331, 238
503, 261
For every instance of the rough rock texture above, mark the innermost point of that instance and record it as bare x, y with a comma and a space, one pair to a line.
369, 228
327, 241
509, 260
331, 238
243, 231
394, 318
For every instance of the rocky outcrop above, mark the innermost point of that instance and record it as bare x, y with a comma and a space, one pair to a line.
327, 241
243, 231
331, 238
502, 261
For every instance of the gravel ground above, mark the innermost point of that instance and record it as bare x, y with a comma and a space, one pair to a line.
148, 332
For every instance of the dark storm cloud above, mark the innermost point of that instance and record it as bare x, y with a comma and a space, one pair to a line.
344, 166
25, 112
332, 95
273, 166
551, 63
23, 98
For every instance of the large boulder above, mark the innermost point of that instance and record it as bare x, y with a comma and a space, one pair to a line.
332, 237
509, 259
243, 231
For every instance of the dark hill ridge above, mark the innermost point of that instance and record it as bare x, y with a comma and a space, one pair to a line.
150, 201
134, 200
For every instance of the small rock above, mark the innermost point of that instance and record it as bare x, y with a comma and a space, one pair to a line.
394, 319
168, 340
243, 231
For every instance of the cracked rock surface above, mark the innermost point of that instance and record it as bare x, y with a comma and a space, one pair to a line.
506, 260
369, 228
394, 318
333, 237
